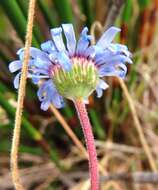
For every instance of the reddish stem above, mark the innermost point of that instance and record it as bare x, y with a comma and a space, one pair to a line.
86, 126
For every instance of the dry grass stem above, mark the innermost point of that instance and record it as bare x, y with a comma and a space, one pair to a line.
96, 25
21, 95
68, 130
135, 117
72, 135
138, 127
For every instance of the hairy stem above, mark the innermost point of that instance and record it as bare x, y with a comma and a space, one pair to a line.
16, 133
86, 126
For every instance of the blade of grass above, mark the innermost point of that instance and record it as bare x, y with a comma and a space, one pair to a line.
98, 130
144, 3
86, 5
144, 6
113, 13
68, 129
17, 18
68, 112
47, 13
5, 147
32, 132
64, 10
24, 7
126, 17
127, 11
152, 22
72, 135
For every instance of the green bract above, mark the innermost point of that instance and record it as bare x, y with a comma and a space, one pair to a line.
79, 82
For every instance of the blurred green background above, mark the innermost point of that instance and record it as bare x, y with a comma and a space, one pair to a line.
47, 154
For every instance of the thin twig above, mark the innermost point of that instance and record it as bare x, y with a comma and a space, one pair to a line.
29, 175
95, 25
113, 13
108, 145
68, 130
72, 135
138, 127
137, 177
137, 123
21, 95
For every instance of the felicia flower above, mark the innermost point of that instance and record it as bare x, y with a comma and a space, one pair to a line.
75, 70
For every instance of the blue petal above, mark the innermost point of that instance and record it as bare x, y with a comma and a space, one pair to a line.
95, 52
58, 101
101, 86
41, 90
118, 70
40, 71
119, 48
37, 77
48, 94
90, 52
20, 53
107, 37
122, 70
37, 53
83, 42
101, 57
15, 66
64, 61
99, 50
107, 71
41, 63
113, 59
57, 38
53, 56
34, 53
45, 105
35, 80
48, 46
70, 38
17, 80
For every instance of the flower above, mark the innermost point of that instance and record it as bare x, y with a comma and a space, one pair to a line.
75, 70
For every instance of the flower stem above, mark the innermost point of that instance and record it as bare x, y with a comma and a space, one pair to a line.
86, 126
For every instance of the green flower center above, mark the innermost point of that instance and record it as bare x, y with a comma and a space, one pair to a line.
79, 82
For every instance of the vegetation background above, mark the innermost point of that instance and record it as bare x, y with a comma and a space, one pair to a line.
50, 157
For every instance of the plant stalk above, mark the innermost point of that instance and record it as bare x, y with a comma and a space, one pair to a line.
86, 127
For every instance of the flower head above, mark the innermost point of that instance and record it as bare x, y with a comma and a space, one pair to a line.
73, 71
